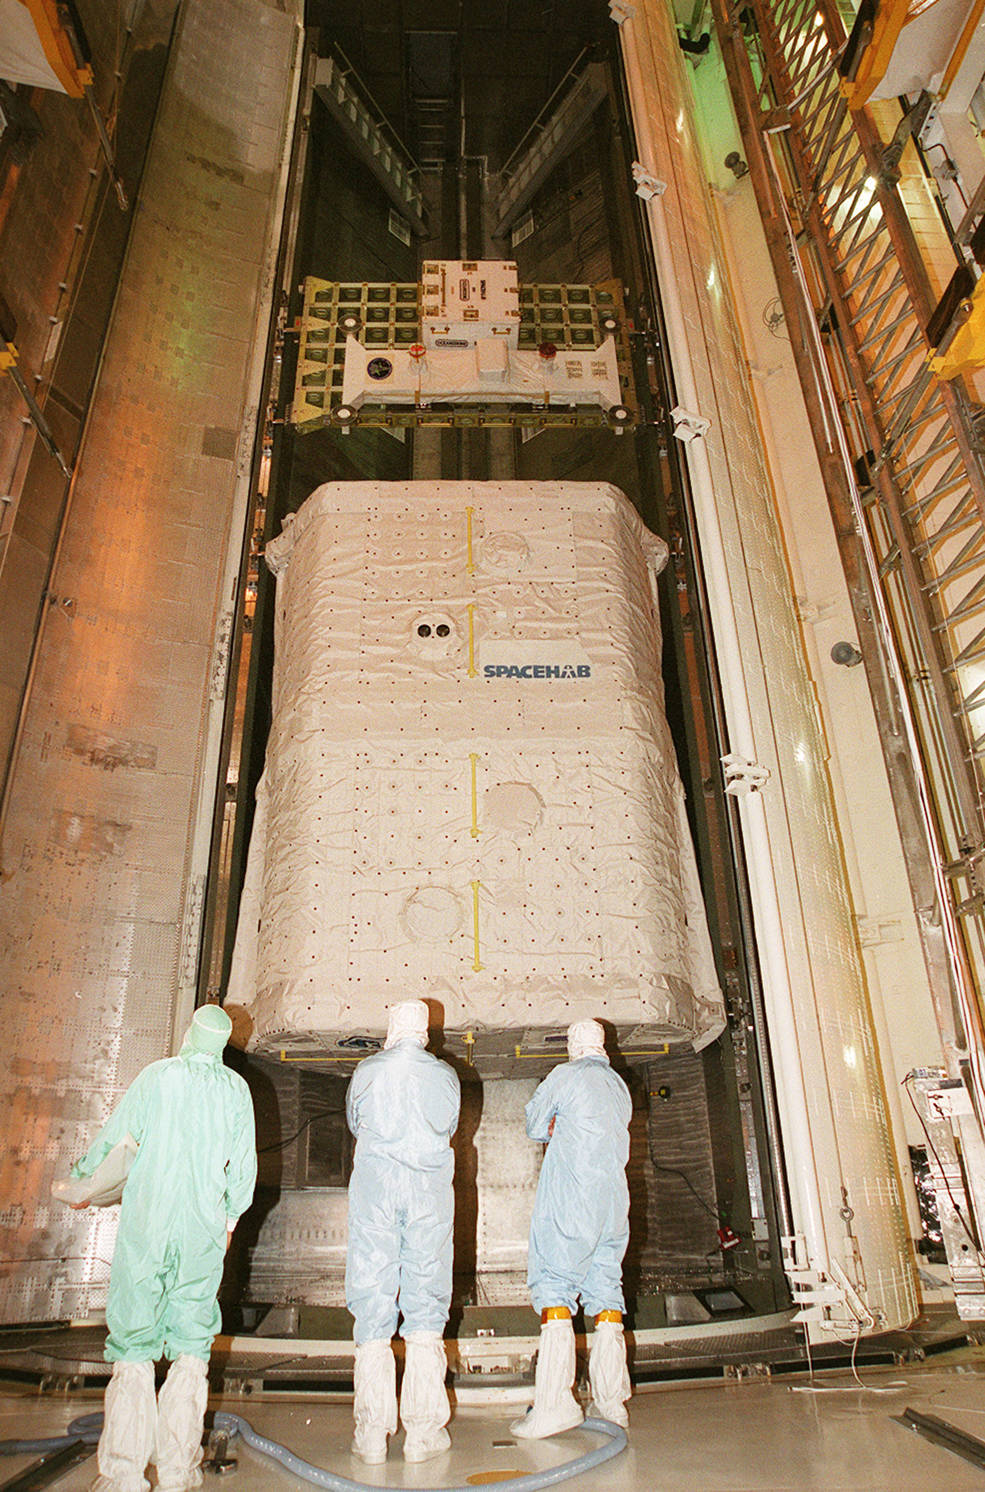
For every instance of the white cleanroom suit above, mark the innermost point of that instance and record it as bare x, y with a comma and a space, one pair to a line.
402, 1107
192, 1177
579, 1231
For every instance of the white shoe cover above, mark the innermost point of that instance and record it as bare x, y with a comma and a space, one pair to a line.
129, 1421
555, 1407
374, 1404
180, 1421
424, 1406
608, 1375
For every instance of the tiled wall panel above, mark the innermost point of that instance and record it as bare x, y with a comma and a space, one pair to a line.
98, 835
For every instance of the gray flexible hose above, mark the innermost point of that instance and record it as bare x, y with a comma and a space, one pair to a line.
615, 1445
88, 1426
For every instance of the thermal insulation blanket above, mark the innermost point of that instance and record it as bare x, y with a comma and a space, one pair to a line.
470, 792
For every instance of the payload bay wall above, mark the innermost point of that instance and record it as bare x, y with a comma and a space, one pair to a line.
106, 837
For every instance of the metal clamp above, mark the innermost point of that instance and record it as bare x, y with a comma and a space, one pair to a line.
743, 777
217, 1462
688, 425
647, 185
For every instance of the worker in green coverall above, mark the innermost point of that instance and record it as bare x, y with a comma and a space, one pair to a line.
192, 1177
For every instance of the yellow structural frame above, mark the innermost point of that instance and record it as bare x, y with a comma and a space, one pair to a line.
891, 17
965, 352
57, 47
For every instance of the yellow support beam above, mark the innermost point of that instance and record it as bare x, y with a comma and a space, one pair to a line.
288, 1057
965, 353
470, 562
73, 74
522, 1056
476, 963
475, 831
891, 16
961, 48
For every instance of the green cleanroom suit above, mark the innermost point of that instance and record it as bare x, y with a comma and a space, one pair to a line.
192, 1176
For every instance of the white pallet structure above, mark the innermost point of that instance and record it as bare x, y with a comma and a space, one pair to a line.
468, 353
490, 369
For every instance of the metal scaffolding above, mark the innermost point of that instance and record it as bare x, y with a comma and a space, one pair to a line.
900, 450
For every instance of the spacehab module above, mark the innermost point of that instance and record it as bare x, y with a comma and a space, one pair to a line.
470, 792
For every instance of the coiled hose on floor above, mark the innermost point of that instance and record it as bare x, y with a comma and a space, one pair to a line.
88, 1426
616, 1443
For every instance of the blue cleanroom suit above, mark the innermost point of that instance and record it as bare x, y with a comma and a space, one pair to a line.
402, 1107
580, 1224
191, 1178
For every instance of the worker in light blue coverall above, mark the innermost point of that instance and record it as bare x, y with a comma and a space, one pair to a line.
192, 1177
402, 1106
579, 1232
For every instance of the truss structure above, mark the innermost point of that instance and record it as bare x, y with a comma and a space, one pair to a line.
577, 317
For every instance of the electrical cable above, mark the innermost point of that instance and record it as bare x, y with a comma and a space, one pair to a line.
810, 1387
951, 170
773, 319
673, 1171
279, 1144
88, 1426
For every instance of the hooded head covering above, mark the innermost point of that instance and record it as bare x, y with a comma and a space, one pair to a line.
585, 1039
408, 1022
209, 1031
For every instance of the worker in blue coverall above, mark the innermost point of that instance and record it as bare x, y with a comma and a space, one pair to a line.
579, 1232
402, 1106
192, 1177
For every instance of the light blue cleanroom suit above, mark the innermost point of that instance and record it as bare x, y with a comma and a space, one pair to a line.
191, 1178
580, 1224
402, 1107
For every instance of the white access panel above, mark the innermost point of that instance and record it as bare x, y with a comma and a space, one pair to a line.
470, 791
463, 300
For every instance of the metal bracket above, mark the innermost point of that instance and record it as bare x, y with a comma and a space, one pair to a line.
910, 126
648, 186
191, 930
942, 1104
829, 1300
620, 11
743, 1372
220, 657
947, 1436
743, 777
218, 1463
688, 426
8, 365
